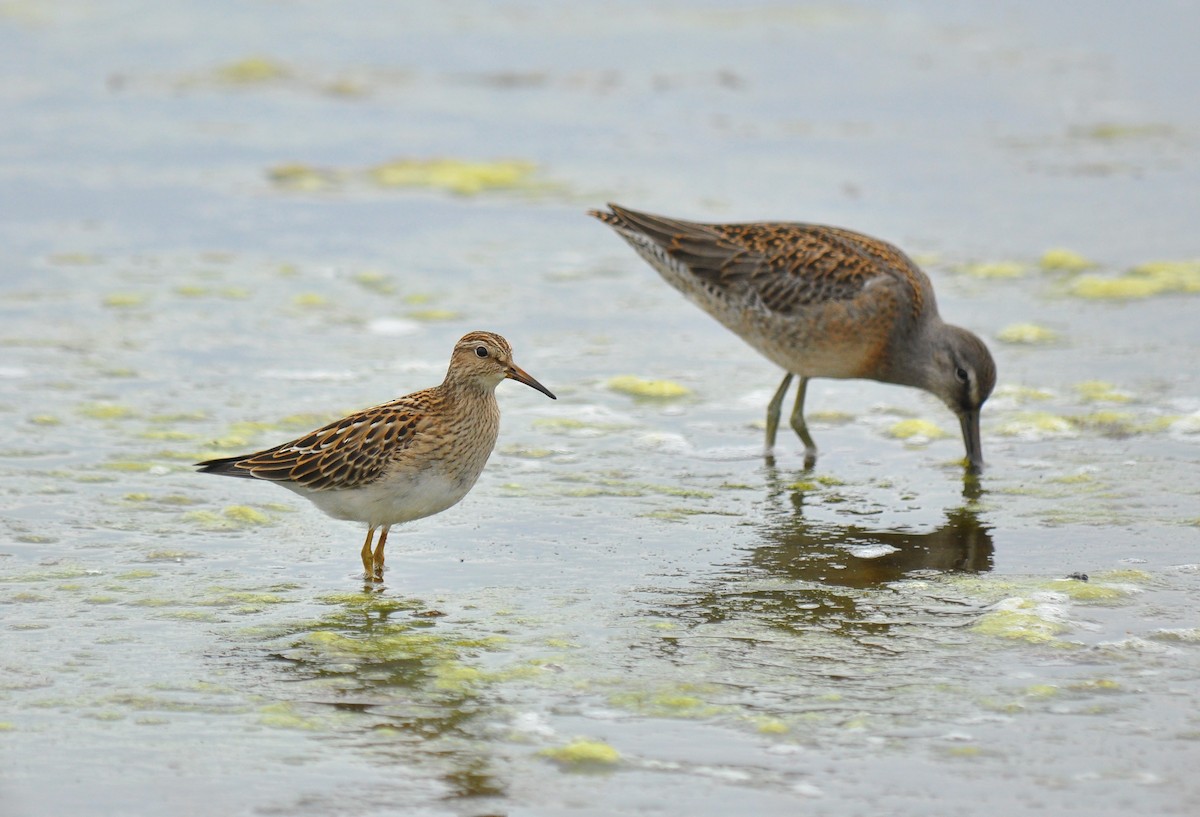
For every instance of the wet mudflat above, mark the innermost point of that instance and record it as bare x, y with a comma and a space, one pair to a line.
223, 226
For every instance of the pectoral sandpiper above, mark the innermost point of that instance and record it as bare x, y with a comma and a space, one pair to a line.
820, 302
406, 459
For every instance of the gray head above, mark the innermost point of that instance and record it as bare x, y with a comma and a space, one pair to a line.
962, 373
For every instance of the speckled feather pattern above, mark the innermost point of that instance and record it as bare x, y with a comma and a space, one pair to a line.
819, 302
402, 460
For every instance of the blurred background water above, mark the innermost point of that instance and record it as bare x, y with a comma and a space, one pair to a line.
222, 224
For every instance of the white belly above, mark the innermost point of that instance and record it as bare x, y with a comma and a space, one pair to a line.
393, 500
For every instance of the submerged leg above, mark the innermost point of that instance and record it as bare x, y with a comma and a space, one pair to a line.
801, 428
366, 552
774, 408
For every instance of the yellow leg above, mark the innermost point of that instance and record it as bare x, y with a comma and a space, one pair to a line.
366, 552
378, 559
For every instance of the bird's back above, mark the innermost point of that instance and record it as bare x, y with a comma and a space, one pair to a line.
817, 300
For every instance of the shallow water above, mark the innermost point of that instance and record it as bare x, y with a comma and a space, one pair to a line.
223, 225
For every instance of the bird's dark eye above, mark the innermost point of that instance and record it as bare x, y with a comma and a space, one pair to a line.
481, 351
961, 374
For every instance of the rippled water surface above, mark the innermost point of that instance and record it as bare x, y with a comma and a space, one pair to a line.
224, 224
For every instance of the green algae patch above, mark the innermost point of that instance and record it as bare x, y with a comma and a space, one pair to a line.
648, 389
302, 178
1060, 259
463, 178
1036, 425
997, 269
1182, 635
1100, 391
375, 281
127, 465
1128, 574
1143, 281
683, 701
583, 753
105, 411
231, 518
310, 300
124, 300
453, 676
252, 71
1026, 334
283, 715
1021, 622
916, 431
457, 177
1109, 423
575, 426
45, 420
245, 515
169, 555
770, 726
1023, 394
433, 315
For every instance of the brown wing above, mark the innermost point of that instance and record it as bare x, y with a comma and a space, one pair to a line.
347, 453
788, 265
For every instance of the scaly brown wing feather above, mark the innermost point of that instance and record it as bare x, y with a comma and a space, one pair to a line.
789, 265
346, 453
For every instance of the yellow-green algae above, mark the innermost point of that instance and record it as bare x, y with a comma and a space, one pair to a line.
283, 715
463, 178
1029, 334
568, 425
1022, 621
375, 281
681, 701
583, 753
105, 411
234, 516
997, 269
124, 300
310, 300
1035, 424
770, 726
252, 71
651, 389
914, 430
456, 176
1142, 281
1058, 258
433, 314
1100, 391
1022, 394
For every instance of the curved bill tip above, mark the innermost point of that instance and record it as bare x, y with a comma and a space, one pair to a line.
970, 431
515, 372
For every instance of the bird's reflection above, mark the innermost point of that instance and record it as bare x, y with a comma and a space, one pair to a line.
858, 556
803, 573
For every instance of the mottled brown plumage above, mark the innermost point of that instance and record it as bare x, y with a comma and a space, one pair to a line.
820, 302
410, 458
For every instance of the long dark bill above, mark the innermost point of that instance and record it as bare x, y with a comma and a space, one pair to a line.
515, 372
970, 431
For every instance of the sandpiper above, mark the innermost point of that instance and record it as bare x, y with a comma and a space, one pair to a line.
820, 302
406, 459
